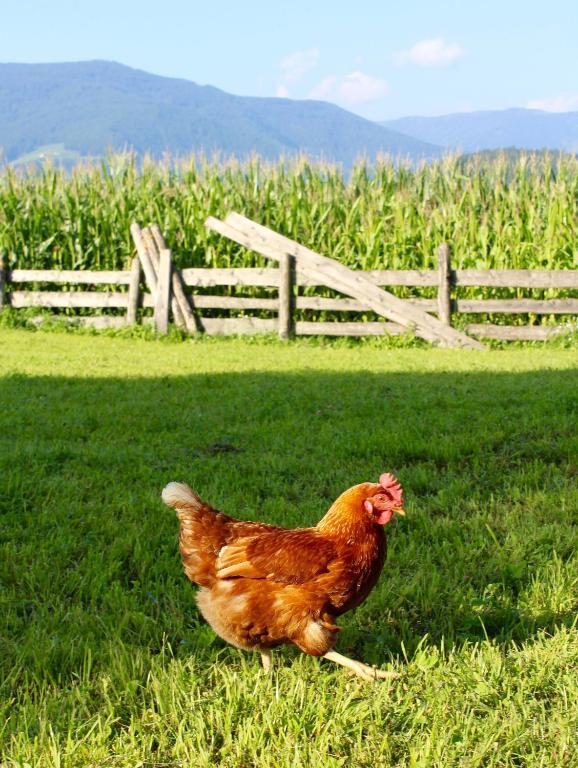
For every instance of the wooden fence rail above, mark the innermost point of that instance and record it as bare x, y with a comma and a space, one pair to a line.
172, 291
208, 277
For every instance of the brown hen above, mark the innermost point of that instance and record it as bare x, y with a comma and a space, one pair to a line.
262, 586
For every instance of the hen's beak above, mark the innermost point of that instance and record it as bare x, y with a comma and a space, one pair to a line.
399, 511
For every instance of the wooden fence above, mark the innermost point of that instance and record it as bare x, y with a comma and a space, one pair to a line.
167, 290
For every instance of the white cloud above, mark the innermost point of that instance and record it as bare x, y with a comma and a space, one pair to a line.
430, 53
564, 102
355, 88
282, 92
297, 64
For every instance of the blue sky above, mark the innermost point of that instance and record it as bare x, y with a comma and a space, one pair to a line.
379, 59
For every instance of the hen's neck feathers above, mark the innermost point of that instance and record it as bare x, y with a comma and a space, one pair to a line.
347, 518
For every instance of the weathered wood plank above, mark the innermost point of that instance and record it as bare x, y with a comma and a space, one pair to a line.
68, 299
330, 304
518, 332
259, 239
340, 278
470, 306
322, 303
163, 296
352, 305
145, 259
207, 277
517, 278
219, 326
155, 255
496, 278
444, 284
387, 277
180, 302
286, 299
407, 277
71, 276
104, 299
151, 246
235, 302
272, 305
253, 241
517, 306
133, 292
305, 328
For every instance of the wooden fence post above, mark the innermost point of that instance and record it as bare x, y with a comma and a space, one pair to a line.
154, 253
133, 292
286, 282
163, 297
2, 282
180, 298
444, 284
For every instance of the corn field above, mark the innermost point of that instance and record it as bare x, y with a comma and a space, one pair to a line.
495, 214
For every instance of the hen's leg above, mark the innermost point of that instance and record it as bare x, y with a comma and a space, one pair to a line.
363, 670
266, 660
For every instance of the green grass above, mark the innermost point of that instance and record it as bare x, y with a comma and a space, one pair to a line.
104, 659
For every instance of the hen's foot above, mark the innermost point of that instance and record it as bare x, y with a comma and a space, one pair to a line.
266, 661
362, 670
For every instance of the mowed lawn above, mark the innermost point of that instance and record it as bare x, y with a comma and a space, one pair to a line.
104, 659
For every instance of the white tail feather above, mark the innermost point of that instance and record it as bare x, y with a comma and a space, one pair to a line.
178, 495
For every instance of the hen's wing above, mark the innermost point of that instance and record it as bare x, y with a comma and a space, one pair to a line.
285, 556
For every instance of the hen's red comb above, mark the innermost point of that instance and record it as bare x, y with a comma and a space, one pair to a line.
391, 484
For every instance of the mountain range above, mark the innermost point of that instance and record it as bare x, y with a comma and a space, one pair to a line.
475, 131
92, 107
73, 110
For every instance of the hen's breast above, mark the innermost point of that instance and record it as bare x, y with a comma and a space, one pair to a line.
362, 568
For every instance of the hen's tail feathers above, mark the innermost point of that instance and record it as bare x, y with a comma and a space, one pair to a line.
201, 532
180, 496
